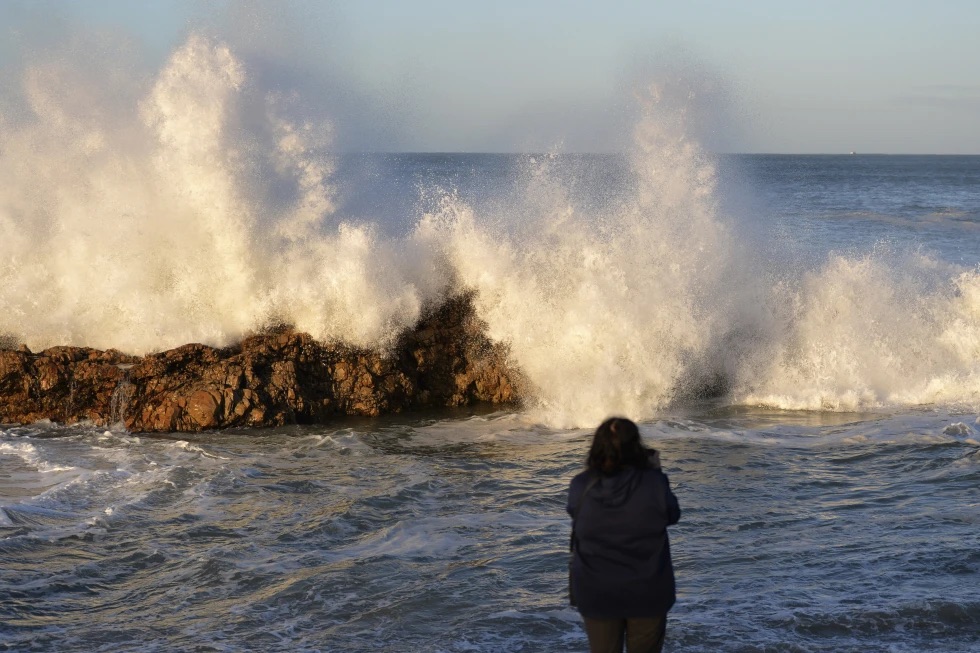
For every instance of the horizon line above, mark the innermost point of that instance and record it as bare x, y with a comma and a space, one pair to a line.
582, 153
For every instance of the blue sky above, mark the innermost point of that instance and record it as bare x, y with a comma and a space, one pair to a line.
437, 75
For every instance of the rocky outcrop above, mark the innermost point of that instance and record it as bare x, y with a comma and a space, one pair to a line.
268, 379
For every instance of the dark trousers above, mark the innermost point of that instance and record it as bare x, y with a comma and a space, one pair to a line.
640, 635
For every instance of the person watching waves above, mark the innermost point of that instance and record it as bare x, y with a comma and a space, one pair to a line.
621, 577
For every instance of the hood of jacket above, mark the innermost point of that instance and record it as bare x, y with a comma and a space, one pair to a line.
615, 490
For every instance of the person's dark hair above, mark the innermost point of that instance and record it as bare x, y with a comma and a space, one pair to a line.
616, 444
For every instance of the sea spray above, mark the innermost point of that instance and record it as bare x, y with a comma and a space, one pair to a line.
200, 210
665, 296
607, 313
883, 329
145, 212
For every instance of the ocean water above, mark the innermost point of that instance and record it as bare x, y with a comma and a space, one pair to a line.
798, 335
801, 532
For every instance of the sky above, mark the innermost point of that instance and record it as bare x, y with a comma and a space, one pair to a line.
782, 76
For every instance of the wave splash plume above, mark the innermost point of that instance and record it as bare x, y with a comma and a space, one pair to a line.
199, 207
200, 210
609, 313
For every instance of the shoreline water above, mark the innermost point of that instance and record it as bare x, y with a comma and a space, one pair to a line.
845, 533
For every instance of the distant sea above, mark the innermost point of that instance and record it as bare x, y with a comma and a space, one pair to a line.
829, 481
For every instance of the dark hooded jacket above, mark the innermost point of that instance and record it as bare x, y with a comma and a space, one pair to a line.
621, 565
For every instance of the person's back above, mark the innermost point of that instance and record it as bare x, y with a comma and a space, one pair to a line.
622, 578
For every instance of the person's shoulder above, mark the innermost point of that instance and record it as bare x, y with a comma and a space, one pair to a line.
580, 479
656, 474
653, 458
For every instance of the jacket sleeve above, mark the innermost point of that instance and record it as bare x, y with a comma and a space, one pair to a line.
673, 507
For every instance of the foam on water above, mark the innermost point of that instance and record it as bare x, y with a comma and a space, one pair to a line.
451, 535
869, 331
146, 212
29, 454
69, 485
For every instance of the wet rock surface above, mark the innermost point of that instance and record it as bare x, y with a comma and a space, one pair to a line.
268, 379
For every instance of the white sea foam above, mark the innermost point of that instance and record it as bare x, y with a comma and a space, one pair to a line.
29, 454
108, 476
195, 212
624, 313
144, 213
873, 331
23, 450
611, 313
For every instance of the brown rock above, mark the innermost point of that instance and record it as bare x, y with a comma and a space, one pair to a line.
202, 407
268, 379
